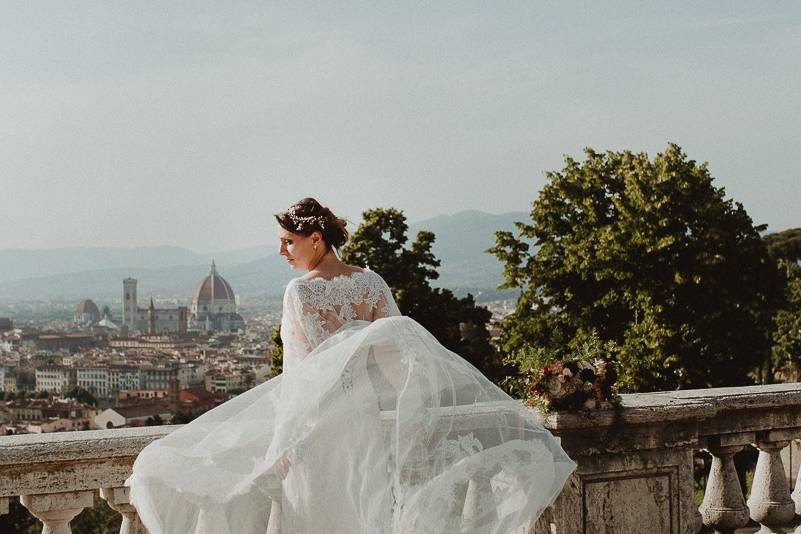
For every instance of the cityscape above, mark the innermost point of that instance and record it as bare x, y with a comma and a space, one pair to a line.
146, 362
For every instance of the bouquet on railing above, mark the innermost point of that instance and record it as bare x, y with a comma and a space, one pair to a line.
572, 385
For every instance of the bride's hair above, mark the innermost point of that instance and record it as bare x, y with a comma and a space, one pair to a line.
307, 216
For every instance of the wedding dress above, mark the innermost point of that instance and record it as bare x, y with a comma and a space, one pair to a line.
373, 427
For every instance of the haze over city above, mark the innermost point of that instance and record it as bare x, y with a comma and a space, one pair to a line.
189, 124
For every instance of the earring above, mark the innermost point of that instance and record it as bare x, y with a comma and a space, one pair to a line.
315, 247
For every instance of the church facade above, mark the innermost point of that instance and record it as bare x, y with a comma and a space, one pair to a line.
213, 309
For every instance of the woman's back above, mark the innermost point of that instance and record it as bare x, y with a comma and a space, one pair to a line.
316, 308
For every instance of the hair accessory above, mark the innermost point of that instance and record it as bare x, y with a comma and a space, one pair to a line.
300, 221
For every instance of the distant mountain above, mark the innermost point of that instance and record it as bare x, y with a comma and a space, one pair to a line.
461, 240
19, 264
97, 273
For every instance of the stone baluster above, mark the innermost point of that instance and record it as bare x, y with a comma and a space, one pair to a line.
274, 523
724, 508
796, 496
477, 500
56, 510
119, 501
543, 523
770, 502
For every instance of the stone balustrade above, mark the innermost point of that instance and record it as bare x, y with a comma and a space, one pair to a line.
635, 466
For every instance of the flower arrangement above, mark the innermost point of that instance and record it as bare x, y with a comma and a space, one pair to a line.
572, 385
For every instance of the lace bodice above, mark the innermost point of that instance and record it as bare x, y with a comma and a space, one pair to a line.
316, 308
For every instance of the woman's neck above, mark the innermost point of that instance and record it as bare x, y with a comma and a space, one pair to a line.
328, 264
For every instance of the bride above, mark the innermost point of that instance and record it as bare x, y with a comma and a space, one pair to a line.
373, 427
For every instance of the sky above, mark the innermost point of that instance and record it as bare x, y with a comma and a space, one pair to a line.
189, 123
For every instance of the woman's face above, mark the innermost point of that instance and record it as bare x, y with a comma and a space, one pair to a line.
298, 249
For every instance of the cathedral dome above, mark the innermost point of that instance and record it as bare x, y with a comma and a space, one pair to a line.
87, 306
213, 288
87, 312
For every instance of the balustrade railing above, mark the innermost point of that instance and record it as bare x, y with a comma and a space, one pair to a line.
635, 466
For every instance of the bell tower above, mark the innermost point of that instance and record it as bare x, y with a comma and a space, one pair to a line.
129, 303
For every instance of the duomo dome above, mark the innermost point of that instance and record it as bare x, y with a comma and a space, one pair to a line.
214, 304
213, 294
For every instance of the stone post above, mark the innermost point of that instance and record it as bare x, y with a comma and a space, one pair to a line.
476, 502
3, 505
56, 510
274, 523
770, 502
796, 496
118, 500
724, 508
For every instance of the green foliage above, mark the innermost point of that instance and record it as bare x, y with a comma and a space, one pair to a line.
18, 520
459, 324
81, 395
277, 353
650, 256
182, 418
98, 519
154, 420
26, 379
785, 248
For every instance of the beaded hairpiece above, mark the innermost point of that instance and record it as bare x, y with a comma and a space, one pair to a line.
300, 221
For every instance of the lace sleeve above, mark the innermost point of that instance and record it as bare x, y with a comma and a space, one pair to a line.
386, 305
296, 344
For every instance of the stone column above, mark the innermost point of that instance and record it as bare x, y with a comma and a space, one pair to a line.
724, 508
477, 503
118, 500
56, 510
3, 505
770, 502
274, 523
796, 496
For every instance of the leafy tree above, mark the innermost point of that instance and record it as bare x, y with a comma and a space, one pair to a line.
647, 255
81, 395
785, 248
154, 420
18, 520
26, 379
459, 324
277, 353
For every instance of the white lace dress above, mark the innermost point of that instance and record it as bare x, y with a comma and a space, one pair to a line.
383, 431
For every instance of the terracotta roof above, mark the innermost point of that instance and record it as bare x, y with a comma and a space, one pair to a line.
87, 306
213, 287
140, 410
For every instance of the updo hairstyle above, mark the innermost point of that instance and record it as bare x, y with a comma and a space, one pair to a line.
307, 216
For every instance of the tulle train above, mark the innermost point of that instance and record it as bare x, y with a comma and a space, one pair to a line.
384, 431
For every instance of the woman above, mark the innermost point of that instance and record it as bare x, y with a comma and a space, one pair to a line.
373, 427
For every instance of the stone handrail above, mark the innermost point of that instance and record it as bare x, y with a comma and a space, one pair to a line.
635, 465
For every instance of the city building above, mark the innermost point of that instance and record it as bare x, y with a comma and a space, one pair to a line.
157, 377
87, 313
54, 378
6, 324
150, 320
134, 415
95, 380
123, 378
